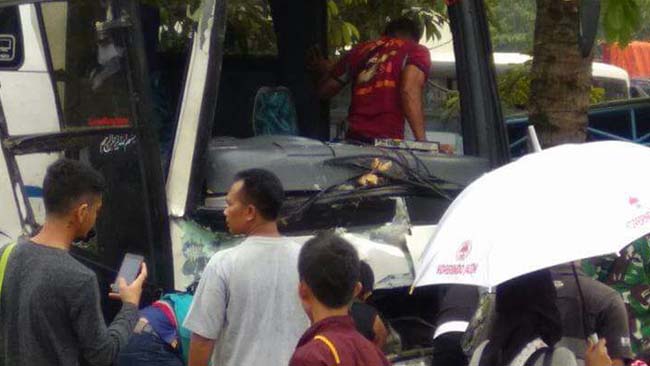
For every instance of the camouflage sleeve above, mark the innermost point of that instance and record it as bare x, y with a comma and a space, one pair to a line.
598, 268
628, 274
636, 286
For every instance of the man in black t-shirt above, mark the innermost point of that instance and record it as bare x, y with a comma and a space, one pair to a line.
366, 318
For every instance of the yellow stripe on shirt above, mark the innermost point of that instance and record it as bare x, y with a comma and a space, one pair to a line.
330, 345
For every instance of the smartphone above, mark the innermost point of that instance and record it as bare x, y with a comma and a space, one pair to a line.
128, 270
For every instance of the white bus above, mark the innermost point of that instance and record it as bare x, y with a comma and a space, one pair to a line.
613, 79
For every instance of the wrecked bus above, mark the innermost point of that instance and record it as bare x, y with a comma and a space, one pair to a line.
83, 80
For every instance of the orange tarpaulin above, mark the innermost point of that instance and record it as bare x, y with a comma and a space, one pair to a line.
635, 58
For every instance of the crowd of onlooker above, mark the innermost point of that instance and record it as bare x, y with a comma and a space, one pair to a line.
272, 301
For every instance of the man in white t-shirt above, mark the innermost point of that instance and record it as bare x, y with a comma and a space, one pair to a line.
245, 310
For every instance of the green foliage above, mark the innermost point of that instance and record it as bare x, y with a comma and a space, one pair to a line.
643, 32
514, 87
451, 106
250, 28
176, 24
353, 21
620, 20
341, 33
514, 91
512, 24
596, 95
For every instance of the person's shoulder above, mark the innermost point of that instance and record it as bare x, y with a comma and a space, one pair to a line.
292, 243
75, 268
413, 47
419, 54
59, 262
74, 279
275, 242
364, 45
78, 267
220, 256
598, 293
312, 353
419, 47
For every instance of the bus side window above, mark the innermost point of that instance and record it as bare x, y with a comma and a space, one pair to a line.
11, 43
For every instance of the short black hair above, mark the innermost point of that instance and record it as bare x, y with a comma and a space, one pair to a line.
366, 277
68, 181
263, 190
404, 25
329, 265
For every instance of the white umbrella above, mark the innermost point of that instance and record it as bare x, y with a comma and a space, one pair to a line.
562, 204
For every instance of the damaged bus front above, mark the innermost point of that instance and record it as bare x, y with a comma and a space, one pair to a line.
169, 129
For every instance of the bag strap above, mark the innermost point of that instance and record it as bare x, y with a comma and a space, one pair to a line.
548, 356
546, 352
331, 347
3, 263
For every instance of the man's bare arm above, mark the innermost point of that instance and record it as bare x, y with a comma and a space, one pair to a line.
329, 87
411, 90
200, 350
320, 68
381, 333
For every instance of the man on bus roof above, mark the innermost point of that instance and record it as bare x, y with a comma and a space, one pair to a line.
388, 77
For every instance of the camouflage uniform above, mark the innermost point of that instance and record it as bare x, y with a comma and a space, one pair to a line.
629, 274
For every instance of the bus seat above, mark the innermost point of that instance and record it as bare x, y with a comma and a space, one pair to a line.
274, 112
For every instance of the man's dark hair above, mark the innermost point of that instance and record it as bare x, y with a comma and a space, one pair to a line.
68, 181
366, 277
263, 190
329, 265
404, 26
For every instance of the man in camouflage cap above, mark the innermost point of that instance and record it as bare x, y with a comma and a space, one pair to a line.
629, 274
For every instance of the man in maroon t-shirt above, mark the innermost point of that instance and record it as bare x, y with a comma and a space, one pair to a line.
329, 278
388, 77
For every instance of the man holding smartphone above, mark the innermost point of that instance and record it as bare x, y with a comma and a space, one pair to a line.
50, 303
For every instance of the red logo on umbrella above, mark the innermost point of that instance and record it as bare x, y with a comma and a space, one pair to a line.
633, 201
464, 251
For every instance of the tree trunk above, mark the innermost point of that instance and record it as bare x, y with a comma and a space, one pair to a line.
560, 76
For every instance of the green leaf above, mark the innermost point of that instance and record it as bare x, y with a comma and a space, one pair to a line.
621, 19
632, 13
355, 32
332, 8
347, 34
615, 16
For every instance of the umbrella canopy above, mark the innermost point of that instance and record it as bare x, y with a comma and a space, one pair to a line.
562, 204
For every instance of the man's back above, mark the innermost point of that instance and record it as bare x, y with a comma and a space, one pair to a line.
49, 311
247, 301
606, 314
335, 341
374, 69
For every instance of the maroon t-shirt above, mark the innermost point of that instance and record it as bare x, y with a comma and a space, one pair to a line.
374, 68
335, 341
